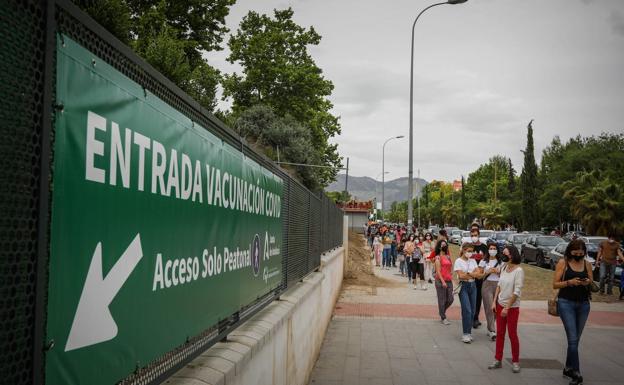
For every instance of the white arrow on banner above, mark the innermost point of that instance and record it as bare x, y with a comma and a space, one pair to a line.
93, 322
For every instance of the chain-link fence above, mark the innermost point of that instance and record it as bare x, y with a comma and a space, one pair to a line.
28, 30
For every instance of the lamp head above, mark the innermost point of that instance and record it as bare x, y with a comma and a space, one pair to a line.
456, 1
400, 136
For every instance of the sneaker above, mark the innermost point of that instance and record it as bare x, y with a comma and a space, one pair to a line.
445, 322
568, 372
492, 335
415, 288
577, 379
476, 324
515, 367
423, 287
466, 339
495, 365
470, 336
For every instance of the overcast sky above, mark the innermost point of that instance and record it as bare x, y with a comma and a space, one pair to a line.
483, 69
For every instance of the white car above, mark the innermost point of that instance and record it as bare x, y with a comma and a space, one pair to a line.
456, 236
484, 235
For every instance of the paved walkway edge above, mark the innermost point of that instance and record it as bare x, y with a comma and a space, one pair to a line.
281, 343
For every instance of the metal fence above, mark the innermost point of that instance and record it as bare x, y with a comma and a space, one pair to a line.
28, 29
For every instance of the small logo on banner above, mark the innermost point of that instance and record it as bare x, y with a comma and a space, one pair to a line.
255, 255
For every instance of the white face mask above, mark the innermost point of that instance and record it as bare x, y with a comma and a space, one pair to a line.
474, 239
611, 240
468, 254
492, 253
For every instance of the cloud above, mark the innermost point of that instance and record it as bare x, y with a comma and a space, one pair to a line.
616, 19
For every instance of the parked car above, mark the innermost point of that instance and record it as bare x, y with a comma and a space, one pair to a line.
484, 236
456, 236
517, 240
449, 230
537, 247
434, 230
592, 244
558, 252
570, 235
501, 238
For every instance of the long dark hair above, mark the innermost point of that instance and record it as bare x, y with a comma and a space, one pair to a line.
486, 257
576, 244
438, 247
514, 254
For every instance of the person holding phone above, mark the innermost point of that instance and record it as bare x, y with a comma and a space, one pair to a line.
572, 277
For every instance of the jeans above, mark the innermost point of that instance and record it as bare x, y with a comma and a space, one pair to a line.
386, 257
478, 285
393, 253
573, 315
487, 293
607, 271
510, 324
468, 300
445, 297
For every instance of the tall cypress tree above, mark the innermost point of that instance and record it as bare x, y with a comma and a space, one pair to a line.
511, 183
463, 204
528, 183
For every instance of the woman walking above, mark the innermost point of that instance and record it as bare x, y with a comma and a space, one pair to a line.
386, 241
507, 308
443, 280
467, 270
572, 276
408, 249
377, 248
426, 248
401, 255
490, 266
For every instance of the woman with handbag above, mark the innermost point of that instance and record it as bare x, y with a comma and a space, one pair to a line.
573, 277
507, 308
443, 280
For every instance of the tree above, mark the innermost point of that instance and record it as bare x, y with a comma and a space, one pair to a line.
462, 222
170, 35
511, 178
528, 183
279, 72
272, 133
597, 202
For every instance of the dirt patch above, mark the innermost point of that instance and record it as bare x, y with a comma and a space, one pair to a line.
359, 265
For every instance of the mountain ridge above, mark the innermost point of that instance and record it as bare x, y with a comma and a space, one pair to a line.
366, 188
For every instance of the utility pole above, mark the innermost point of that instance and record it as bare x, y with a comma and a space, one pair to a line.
347, 179
419, 191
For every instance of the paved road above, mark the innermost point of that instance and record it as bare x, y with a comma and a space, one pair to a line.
393, 336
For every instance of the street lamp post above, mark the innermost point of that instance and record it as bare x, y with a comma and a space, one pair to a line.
410, 187
383, 173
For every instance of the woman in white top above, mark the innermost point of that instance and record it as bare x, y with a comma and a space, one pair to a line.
467, 270
490, 266
507, 307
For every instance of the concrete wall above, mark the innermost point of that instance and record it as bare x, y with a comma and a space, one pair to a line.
357, 221
281, 343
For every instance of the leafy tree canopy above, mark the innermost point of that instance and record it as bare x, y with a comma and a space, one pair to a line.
279, 72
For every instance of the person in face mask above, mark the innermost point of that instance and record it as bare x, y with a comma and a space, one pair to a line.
507, 307
467, 271
490, 266
608, 254
480, 251
572, 276
443, 279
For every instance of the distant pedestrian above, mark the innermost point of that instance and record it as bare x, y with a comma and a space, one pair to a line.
393, 246
401, 256
466, 269
426, 248
507, 307
490, 267
443, 280
480, 251
377, 249
387, 242
417, 267
408, 250
572, 277
608, 254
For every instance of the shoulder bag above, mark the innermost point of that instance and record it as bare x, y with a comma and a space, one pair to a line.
552, 303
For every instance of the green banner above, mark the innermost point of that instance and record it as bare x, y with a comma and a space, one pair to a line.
159, 229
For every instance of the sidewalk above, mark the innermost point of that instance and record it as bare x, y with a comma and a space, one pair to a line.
392, 335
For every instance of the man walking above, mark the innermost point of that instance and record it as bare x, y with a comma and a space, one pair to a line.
608, 254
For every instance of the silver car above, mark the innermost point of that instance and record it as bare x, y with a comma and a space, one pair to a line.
456, 236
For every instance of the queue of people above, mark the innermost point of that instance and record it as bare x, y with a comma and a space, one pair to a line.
494, 278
